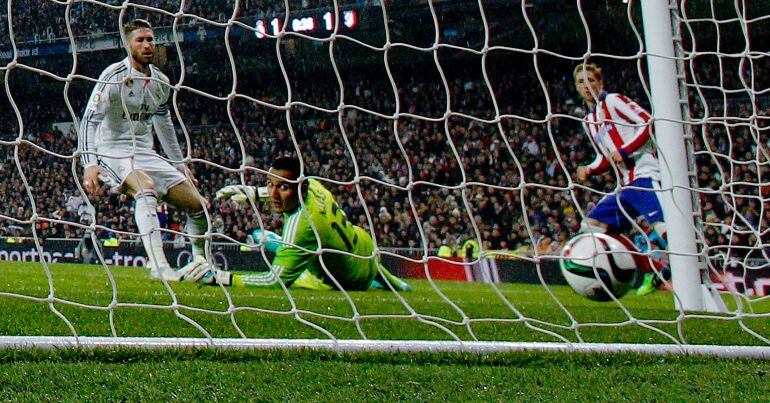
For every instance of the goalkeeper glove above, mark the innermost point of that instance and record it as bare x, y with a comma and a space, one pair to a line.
268, 238
195, 270
242, 194
200, 271
216, 276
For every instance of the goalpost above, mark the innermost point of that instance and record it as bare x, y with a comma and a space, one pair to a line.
687, 272
426, 137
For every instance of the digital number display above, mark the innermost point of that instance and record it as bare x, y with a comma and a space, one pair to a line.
305, 24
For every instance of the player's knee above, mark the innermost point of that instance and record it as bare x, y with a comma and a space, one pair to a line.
195, 205
195, 210
148, 186
139, 182
140, 189
185, 198
590, 225
191, 207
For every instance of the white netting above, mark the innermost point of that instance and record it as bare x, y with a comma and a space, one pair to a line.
432, 122
723, 53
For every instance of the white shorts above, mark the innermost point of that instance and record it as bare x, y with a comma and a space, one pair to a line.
119, 164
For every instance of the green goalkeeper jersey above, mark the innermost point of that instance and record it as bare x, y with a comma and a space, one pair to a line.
295, 259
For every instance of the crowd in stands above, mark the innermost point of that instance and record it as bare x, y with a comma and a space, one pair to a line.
425, 176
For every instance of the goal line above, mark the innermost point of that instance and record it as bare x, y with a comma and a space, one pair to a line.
385, 346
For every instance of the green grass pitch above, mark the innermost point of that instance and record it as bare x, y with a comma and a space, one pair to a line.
141, 307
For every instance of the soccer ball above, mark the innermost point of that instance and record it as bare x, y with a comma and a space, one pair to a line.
590, 260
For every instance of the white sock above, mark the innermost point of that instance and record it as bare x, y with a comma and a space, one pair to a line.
197, 225
146, 216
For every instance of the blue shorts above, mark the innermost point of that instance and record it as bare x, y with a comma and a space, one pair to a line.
635, 202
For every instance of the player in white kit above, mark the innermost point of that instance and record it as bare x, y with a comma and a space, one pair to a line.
116, 146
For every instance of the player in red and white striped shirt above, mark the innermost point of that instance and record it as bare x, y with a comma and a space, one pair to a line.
621, 131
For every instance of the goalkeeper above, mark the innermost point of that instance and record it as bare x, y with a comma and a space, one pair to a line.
295, 263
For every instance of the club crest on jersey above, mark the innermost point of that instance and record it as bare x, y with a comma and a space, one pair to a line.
97, 97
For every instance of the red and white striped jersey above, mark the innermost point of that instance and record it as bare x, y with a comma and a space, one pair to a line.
620, 124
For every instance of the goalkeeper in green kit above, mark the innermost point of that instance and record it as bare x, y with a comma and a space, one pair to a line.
349, 249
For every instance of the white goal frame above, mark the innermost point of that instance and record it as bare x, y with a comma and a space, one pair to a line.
385, 346
687, 272
692, 292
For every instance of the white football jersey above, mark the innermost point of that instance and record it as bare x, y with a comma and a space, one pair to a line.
121, 111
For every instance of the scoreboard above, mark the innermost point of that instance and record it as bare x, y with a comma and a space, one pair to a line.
310, 24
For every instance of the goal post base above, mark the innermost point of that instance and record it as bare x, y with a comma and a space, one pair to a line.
712, 300
384, 346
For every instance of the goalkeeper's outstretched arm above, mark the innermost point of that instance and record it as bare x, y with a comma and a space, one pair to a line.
288, 266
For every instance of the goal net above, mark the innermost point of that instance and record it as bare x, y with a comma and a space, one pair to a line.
451, 131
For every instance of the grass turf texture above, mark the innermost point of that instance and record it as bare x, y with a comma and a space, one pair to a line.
269, 313
192, 375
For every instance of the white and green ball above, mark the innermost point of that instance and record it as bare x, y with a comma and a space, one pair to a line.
597, 266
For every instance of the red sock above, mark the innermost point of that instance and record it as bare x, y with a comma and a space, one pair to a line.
641, 260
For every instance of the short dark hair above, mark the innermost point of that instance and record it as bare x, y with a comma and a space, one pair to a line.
290, 164
138, 23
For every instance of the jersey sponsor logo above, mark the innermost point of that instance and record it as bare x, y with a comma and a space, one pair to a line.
138, 117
